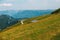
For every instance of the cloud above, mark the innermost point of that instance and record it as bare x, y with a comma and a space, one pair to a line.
31, 1
57, 0
6, 4
35, 4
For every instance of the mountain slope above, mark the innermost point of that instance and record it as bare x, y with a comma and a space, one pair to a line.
44, 29
6, 21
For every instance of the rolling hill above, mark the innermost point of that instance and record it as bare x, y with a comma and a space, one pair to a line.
46, 27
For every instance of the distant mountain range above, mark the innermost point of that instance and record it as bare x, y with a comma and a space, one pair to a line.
25, 13
8, 12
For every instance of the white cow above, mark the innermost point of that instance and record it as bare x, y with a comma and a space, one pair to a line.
22, 21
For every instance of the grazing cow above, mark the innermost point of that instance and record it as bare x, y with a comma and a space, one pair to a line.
22, 21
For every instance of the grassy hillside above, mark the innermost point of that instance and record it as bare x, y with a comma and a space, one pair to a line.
45, 28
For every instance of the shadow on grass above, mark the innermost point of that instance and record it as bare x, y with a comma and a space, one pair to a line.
56, 37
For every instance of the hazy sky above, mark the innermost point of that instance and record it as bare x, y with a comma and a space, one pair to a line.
29, 4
